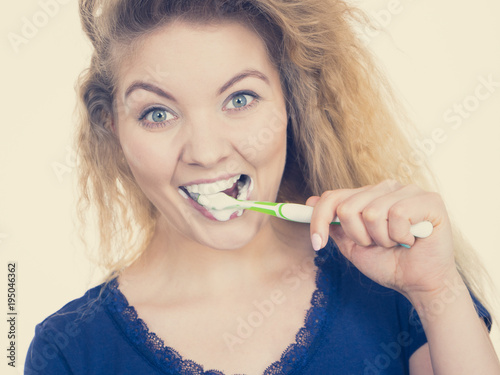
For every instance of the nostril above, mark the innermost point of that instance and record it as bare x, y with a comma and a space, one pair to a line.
207, 158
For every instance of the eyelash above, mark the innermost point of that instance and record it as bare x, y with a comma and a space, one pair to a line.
157, 125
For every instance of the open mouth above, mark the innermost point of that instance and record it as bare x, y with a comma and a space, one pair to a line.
239, 187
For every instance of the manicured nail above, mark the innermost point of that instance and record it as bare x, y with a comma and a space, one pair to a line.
404, 245
316, 241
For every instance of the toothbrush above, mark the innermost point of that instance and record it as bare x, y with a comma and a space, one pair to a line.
298, 213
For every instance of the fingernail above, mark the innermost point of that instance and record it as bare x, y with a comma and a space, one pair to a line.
316, 241
404, 245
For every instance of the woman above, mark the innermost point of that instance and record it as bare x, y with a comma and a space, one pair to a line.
264, 100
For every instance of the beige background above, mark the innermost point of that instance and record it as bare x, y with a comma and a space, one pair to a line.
435, 53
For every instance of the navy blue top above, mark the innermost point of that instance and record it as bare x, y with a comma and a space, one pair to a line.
354, 326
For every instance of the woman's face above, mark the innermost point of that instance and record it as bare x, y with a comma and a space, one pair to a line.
200, 110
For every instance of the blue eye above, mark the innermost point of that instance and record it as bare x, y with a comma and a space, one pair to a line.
156, 117
241, 101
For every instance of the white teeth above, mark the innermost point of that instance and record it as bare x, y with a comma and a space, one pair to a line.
213, 187
192, 188
244, 189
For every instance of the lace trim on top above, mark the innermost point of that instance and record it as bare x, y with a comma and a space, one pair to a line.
169, 360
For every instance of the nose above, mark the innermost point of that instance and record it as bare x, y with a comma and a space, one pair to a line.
206, 142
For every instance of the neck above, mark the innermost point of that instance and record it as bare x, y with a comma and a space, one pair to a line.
173, 259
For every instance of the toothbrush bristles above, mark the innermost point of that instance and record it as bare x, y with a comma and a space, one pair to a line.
203, 200
217, 201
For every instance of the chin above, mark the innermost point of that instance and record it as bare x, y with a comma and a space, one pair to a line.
231, 238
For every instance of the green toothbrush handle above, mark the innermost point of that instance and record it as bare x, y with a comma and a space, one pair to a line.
302, 214
298, 213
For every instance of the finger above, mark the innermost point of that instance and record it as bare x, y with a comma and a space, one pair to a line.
351, 213
324, 213
311, 201
402, 215
376, 214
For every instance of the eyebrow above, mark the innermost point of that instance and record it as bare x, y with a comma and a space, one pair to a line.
241, 76
140, 85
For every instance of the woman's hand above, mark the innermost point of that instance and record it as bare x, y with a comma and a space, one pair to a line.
374, 221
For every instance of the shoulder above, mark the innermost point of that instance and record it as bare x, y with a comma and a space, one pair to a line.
65, 332
85, 335
75, 314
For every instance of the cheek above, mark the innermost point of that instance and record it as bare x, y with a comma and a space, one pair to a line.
266, 139
148, 161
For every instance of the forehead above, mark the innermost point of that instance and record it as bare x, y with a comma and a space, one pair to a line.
206, 52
